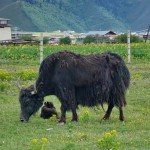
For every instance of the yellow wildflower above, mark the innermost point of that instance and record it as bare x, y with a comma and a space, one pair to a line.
86, 112
108, 134
53, 118
34, 140
114, 131
81, 117
100, 141
44, 140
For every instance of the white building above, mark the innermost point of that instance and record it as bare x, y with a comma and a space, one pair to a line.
110, 34
5, 30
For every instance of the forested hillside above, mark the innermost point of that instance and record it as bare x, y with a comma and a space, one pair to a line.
78, 15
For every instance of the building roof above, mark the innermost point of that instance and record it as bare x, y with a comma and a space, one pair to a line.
4, 19
4, 23
101, 32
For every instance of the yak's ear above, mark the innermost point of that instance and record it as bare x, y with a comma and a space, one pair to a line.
40, 87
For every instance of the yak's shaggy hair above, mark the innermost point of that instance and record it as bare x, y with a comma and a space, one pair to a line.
86, 80
48, 110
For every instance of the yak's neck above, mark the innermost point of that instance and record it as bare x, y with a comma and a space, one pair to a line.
42, 89
43, 83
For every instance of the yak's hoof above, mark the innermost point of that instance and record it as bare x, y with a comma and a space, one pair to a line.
61, 123
105, 118
122, 120
74, 121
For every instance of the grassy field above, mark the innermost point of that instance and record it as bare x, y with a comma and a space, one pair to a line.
90, 133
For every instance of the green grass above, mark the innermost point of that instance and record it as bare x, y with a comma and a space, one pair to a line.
133, 133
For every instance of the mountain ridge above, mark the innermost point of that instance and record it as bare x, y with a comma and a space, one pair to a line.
77, 15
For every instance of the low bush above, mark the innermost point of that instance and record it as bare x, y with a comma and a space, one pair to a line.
4, 75
27, 74
108, 141
4, 86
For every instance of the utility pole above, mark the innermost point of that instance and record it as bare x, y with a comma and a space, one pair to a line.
147, 34
128, 41
41, 48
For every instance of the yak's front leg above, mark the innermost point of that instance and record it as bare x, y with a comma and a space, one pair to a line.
63, 115
74, 113
73, 104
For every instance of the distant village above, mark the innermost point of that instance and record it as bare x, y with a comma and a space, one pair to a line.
13, 35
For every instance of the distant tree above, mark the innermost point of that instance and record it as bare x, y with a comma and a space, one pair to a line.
101, 39
26, 37
60, 4
123, 39
136, 39
89, 39
96, 39
66, 40
45, 40
30, 1
51, 1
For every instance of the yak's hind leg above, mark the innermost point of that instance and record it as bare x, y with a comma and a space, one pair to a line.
121, 116
108, 112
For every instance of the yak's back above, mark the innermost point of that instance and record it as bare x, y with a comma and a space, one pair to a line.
89, 63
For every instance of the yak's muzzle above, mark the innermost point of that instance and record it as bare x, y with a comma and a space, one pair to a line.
23, 119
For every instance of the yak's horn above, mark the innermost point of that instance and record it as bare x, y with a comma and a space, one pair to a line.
18, 85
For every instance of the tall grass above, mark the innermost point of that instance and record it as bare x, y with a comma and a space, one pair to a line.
32, 52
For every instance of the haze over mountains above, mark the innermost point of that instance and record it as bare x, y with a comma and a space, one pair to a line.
77, 15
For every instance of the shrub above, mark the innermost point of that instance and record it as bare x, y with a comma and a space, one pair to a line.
27, 74
108, 141
39, 144
5, 75
4, 86
89, 39
123, 38
96, 39
66, 40
26, 37
86, 116
45, 40
53, 118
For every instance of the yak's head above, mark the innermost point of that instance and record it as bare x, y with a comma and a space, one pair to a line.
49, 105
31, 99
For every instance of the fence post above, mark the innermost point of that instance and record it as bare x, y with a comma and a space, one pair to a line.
128, 41
41, 48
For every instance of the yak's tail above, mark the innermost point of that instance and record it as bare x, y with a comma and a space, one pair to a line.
121, 79
121, 68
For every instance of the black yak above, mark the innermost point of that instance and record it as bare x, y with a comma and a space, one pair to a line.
87, 80
48, 110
